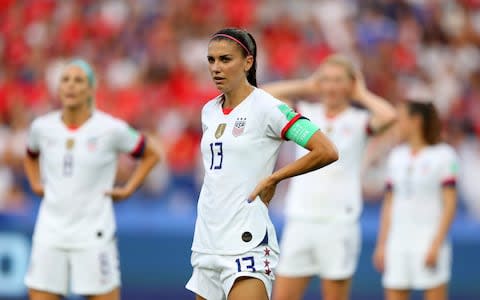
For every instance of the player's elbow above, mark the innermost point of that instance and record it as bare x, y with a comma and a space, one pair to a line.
326, 155
332, 154
154, 150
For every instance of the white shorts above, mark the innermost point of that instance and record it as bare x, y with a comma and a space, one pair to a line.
405, 268
92, 271
214, 275
327, 250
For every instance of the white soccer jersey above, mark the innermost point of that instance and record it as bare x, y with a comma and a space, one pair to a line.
334, 192
78, 166
238, 150
416, 181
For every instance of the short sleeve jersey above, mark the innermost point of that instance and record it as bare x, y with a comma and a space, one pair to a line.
238, 150
416, 182
77, 167
332, 193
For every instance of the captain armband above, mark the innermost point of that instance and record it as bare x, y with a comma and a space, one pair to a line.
301, 131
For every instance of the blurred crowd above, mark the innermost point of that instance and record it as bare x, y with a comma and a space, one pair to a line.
150, 58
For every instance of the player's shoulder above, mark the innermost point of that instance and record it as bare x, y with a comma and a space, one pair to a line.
399, 151
106, 120
212, 104
47, 120
444, 150
264, 99
357, 113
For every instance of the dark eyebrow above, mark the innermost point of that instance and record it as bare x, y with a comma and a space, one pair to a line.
221, 56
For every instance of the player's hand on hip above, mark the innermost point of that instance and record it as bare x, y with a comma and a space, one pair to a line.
432, 256
379, 258
118, 193
265, 189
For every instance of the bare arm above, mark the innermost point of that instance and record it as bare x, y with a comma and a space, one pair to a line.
385, 219
386, 215
322, 153
449, 208
32, 170
290, 89
383, 113
150, 158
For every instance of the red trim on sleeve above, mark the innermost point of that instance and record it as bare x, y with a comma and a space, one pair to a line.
388, 186
369, 130
449, 182
289, 124
139, 148
33, 154
226, 111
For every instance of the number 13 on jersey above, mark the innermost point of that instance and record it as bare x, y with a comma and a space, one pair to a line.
216, 149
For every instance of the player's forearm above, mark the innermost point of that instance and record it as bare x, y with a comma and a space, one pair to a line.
32, 170
150, 158
385, 220
289, 89
322, 153
448, 214
383, 113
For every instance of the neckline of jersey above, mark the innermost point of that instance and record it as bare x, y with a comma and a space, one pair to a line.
73, 128
227, 110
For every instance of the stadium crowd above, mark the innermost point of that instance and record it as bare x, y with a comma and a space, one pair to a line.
151, 59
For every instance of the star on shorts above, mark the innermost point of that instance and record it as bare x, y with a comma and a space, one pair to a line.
267, 251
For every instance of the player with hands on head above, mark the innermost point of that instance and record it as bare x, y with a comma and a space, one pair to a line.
235, 250
322, 233
71, 163
413, 250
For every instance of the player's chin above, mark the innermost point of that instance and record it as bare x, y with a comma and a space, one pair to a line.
221, 87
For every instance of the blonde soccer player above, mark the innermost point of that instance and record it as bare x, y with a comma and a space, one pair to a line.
71, 162
322, 233
413, 250
235, 250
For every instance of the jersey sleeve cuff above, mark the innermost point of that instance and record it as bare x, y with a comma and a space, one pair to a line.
388, 186
33, 154
139, 149
449, 182
369, 130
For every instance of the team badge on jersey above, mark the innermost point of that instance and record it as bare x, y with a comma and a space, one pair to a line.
220, 130
239, 126
69, 143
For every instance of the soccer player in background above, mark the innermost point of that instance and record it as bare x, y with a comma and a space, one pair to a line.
322, 233
71, 162
235, 248
413, 250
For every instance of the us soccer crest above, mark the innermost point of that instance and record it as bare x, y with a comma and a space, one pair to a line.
239, 126
69, 143
220, 129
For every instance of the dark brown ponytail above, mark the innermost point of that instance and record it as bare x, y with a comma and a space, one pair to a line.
431, 124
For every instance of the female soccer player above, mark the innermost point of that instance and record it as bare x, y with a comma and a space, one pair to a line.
412, 248
71, 162
322, 234
235, 247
